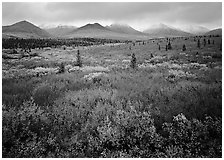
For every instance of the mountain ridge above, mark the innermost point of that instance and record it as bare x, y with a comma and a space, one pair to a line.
25, 29
162, 30
215, 32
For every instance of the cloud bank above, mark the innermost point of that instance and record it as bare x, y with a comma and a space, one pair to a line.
139, 15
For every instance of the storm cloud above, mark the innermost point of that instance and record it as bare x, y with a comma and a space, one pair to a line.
139, 15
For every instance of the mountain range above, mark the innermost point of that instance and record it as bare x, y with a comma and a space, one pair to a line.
193, 29
60, 31
162, 30
215, 32
26, 29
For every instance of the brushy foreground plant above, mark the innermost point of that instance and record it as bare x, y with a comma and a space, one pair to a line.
105, 128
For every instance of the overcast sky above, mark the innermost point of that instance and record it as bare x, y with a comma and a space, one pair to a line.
138, 15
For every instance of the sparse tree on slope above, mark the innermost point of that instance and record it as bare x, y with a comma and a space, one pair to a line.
204, 42
169, 46
199, 44
133, 61
79, 63
184, 48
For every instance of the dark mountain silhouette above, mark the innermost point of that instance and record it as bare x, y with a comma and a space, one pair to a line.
98, 31
215, 32
60, 31
163, 30
122, 28
24, 29
194, 29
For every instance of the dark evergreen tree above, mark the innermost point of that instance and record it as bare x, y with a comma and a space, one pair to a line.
79, 62
199, 44
151, 55
184, 48
159, 47
166, 48
204, 42
133, 61
169, 46
209, 41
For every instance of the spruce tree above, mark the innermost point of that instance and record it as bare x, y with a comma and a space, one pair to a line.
151, 55
79, 63
133, 61
199, 44
204, 42
169, 46
184, 48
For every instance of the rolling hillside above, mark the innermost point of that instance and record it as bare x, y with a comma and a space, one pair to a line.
126, 29
24, 29
60, 31
98, 31
194, 29
163, 30
215, 32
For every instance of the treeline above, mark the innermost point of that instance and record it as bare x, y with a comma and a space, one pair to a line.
14, 43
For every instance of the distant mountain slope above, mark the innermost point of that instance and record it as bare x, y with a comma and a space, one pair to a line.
215, 32
60, 31
163, 30
24, 29
126, 29
98, 31
193, 29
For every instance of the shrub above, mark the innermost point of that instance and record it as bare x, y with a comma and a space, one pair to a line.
62, 68
16, 91
98, 126
45, 94
195, 138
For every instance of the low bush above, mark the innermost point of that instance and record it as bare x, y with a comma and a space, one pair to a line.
66, 130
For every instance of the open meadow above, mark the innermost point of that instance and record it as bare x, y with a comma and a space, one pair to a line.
168, 104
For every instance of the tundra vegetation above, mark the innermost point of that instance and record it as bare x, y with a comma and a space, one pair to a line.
112, 98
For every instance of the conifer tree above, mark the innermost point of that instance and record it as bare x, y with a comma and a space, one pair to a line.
184, 48
79, 63
133, 61
169, 46
204, 42
199, 44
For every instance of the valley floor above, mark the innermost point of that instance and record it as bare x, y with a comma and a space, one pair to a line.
170, 105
